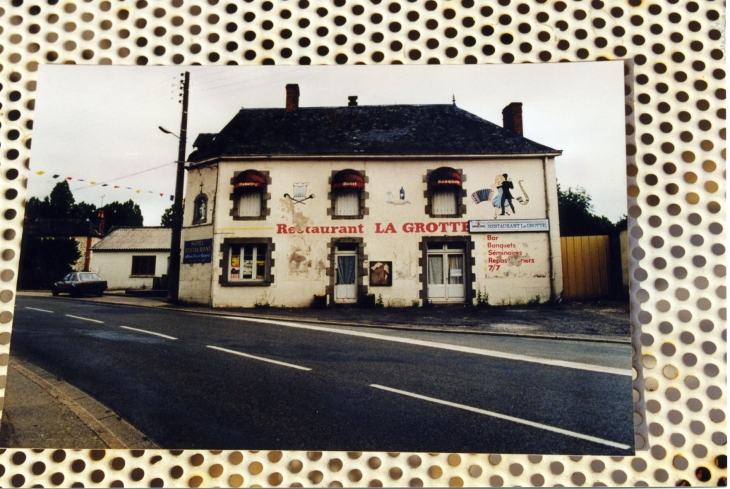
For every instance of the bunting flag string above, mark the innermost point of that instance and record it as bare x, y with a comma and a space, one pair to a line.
93, 183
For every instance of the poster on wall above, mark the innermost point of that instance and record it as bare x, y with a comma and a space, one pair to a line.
380, 273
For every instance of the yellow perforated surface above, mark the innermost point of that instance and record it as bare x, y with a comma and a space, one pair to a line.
675, 137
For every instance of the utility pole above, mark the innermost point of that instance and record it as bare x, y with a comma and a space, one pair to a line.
173, 270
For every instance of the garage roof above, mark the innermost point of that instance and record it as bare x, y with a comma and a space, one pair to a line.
135, 238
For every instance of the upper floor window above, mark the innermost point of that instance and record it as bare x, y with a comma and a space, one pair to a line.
200, 210
445, 193
348, 195
249, 195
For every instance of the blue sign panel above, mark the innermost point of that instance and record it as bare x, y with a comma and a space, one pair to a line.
198, 251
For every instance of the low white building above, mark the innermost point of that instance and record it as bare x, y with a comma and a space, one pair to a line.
131, 257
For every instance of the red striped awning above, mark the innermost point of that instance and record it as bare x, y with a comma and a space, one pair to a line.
249, 179
444, 177
348, 179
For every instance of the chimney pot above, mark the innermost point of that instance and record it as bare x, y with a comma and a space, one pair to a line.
352, 101
292, 97
512, 117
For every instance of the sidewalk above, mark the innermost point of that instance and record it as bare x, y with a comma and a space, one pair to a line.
42, 411
606, 321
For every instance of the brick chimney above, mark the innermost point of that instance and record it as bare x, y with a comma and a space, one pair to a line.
352, 101
100, 222
512, 117
292, 97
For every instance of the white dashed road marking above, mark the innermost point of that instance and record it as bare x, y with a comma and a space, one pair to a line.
258, 358
37, 309
149, 332
507, 418
85, 319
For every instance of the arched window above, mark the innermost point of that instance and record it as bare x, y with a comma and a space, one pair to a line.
200, 209
347, 194
444, 193
249, 188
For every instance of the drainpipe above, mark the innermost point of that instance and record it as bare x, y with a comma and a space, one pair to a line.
550, 233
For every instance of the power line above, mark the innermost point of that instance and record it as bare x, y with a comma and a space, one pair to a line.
128, 175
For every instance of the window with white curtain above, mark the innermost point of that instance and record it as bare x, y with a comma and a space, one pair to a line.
249, 203
347, 203
443, 203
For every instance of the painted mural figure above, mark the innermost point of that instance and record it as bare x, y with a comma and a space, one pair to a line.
506, 194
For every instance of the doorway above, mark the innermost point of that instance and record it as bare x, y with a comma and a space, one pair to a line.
346, 273
446, 272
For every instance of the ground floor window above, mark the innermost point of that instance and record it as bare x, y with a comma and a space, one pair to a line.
143, 265
247, 261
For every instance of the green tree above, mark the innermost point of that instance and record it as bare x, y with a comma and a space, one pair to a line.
45, 260
575, 208
122, 214
166, 220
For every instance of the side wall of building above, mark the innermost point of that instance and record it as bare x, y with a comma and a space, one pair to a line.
509, 268
116, 268
196, 278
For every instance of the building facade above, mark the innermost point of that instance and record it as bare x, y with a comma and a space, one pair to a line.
132, 257
402, 205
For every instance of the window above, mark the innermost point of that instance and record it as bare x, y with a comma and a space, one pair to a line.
445, 193
200, 210
246, 261
89, 276
143, 265
249, 195
348, 195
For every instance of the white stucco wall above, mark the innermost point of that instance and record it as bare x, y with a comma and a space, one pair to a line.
116, 268
389, 230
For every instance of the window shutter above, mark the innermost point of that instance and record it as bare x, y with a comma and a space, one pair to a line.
443, 203
249, 204
347, 203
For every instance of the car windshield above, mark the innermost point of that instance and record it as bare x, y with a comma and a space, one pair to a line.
89, 276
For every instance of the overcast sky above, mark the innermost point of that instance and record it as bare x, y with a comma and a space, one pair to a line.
99, 123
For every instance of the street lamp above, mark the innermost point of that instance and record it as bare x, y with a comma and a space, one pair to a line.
173, 269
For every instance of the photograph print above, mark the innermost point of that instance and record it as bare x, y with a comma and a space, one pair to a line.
389, 258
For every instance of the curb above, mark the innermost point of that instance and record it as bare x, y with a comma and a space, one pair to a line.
111, 429
559, 337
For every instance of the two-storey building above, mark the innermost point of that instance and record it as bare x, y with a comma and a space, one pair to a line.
408, 203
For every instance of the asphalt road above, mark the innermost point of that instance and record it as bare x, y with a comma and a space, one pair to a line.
201, 381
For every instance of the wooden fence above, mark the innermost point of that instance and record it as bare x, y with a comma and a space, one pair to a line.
586, 267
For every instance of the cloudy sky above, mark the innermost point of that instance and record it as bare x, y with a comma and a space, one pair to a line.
100, 123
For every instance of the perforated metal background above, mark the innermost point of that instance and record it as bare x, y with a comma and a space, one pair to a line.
675, 139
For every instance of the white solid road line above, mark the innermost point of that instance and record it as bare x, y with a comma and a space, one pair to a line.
258, 358
505, 417
85, 319
149, 332
445, 346
37, 309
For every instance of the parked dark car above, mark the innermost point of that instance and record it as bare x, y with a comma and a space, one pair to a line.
79, 283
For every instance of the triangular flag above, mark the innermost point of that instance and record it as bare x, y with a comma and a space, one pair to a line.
56, 176
39, 172
137, 191
161, 195
92, 183
116, 186
80, 180
104, 184
69, 178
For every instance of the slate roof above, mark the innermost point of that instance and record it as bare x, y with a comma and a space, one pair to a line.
401, 130
135, 238
56, 228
